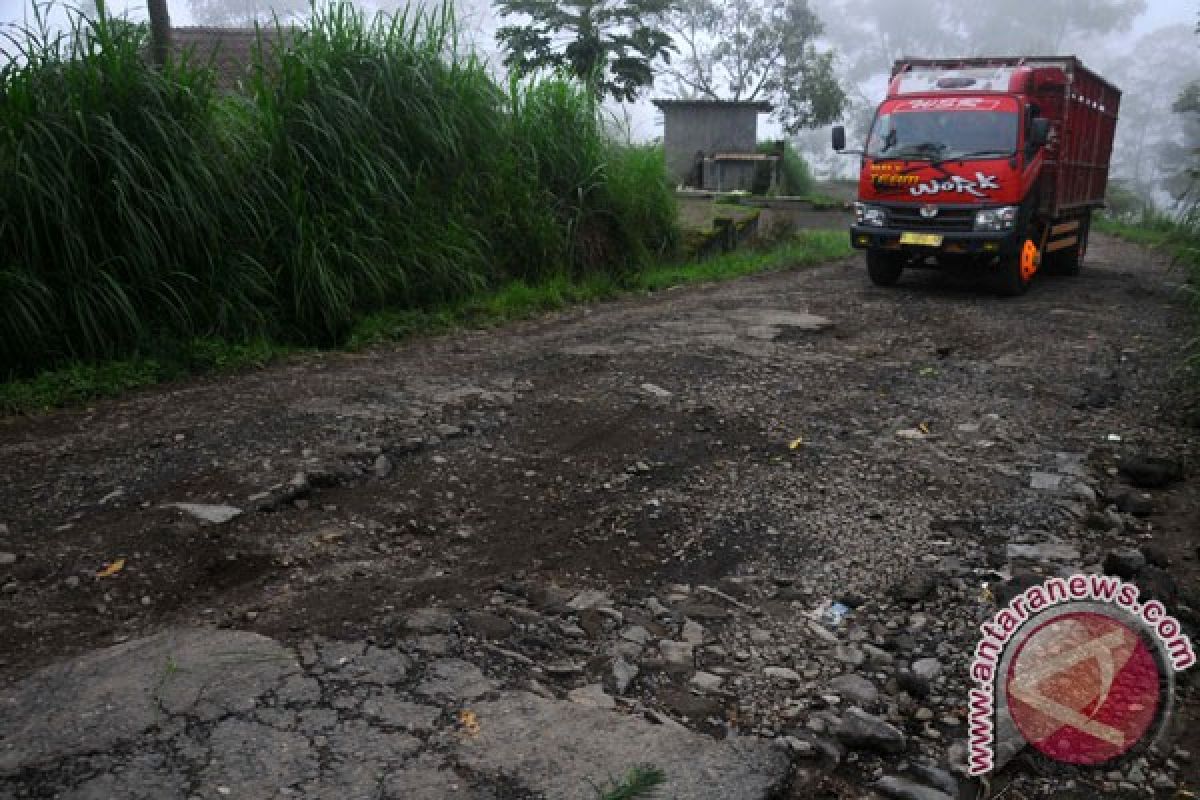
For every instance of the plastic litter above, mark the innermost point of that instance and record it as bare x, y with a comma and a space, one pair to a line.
834, 613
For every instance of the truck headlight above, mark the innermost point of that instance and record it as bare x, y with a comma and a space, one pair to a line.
869, 215
996, 219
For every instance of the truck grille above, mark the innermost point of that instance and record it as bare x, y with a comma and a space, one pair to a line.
948, 219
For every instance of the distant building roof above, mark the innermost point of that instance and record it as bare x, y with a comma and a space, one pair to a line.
757, 105
231, 50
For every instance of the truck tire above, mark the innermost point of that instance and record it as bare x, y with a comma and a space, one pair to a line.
884, 268
1069, 260
1016, 271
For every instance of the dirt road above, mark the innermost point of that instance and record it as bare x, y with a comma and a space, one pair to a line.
640, 500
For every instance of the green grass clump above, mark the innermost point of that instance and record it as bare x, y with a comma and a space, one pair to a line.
638, 782
372, 165
804, 249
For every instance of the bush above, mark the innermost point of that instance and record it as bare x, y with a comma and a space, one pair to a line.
795, 179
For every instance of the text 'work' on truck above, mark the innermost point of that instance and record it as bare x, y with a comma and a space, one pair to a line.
989, 164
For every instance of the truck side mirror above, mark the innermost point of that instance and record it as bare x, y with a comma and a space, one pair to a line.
839, 138
1039, 131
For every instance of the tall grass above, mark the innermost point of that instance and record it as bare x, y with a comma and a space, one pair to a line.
373, 164
113, 192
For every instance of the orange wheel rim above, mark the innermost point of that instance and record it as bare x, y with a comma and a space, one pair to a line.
1029, 261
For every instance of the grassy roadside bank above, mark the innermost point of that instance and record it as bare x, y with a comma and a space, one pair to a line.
79, 383
1180, 239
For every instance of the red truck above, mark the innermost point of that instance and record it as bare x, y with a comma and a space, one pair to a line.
984, 163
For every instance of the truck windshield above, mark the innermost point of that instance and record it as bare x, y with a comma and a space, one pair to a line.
944, 135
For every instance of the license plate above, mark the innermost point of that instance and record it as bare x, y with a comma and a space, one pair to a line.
926, 239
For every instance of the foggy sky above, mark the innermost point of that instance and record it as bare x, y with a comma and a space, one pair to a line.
644, 122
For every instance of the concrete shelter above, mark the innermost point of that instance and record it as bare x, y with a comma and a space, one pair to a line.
711, 144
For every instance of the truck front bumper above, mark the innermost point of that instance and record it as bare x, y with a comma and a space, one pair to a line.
981, 243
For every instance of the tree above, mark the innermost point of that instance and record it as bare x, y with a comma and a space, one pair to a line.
749, 50
611, 46
1149, 152
244, 13
160, 30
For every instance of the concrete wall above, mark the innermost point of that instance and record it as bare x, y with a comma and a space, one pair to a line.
711, 128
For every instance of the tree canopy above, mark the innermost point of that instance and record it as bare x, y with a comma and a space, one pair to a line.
751, 50
611, 46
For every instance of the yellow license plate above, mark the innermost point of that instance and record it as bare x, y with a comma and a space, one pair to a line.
926, 239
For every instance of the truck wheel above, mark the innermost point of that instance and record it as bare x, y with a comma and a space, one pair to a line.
884, 268
1016, 271
1069, 260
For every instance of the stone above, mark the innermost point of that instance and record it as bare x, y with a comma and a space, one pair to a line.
382, 466
706, 682
877, 655
589, 599
1005, 591
915, 587
856, 688
636, 634
1135, 503
927, 668
483, 625
859, 730
687, 704
677, 654
936, 777
592, 696
109, 696
693, 632
1042, 552
215, 514
1045, 481
706, 611
782, 674
430, 620
455, 679
783, 318
904, 789
624, 674
655, 607
849, 654
1150, 472
1124, 562
562, 750
655, 391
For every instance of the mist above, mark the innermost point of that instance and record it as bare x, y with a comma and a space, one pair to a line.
1148, 48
